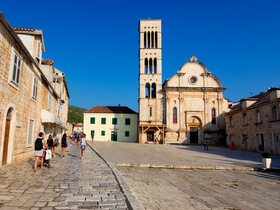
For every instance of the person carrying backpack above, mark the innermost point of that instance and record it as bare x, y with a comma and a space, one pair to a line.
64, 143
40, 144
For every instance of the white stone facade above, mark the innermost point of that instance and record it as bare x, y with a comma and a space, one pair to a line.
193, 96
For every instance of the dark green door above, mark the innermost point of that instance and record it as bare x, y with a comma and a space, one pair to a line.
113, 136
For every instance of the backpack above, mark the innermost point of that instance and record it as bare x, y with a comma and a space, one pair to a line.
38, 144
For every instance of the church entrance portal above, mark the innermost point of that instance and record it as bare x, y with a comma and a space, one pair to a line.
193, 135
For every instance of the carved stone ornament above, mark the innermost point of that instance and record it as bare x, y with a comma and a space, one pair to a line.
193, 59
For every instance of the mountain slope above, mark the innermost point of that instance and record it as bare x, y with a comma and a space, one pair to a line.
75, 114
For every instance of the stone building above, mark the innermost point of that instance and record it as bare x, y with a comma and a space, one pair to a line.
254, 123
28, 98
188, 108
111, 123
151, 125
78, 128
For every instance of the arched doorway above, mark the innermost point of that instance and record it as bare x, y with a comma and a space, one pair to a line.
7, 136
194, 125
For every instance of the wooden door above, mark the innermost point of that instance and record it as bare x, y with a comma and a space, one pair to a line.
6, 142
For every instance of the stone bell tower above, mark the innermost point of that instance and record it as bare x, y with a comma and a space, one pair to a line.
151, 128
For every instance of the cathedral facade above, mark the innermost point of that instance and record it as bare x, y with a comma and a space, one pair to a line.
187, 108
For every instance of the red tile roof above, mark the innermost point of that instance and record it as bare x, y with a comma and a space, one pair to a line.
47, 61
111, 109
24, 29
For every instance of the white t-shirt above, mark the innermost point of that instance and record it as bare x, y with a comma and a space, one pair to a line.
83, 141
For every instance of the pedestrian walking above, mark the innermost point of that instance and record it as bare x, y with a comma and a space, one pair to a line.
232, 146
92, 137
55, 143
40, 144
83, 145
50, 145
64, 143
78, 139
50, 142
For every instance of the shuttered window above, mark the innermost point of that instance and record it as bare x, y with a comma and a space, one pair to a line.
30, 132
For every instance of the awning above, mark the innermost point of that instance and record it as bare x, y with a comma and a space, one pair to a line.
48, 117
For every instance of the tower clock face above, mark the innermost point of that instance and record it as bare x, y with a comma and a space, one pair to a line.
193, 80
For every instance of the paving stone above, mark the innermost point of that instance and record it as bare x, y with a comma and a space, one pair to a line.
69, 183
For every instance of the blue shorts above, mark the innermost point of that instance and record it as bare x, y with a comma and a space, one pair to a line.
83, 147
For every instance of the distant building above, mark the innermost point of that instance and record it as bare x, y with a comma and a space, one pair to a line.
187, 108
253, 124
78, 128
111, 123
29, 99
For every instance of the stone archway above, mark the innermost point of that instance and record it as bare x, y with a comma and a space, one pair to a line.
194, 130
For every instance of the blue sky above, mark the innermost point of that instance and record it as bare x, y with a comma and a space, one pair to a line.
96, 43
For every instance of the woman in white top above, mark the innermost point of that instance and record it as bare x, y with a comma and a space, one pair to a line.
83, 145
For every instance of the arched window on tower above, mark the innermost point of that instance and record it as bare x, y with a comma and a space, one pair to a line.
213, 116
154, 92
149, 39
150, 66
174, 115
156, 40
146, 66
155, 65
153, 41
151, 111
147, 90
145, 39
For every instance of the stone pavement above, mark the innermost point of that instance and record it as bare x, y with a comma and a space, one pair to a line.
151, 155
157, 186
178, 189
70, 183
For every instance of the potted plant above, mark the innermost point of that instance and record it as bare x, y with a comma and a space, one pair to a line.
266, 159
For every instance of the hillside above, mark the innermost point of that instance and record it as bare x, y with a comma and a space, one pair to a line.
75, 114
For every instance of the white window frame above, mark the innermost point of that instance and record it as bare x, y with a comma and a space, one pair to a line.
58, 110
30, 133
35, 88
49, 101
39, 50
14, 78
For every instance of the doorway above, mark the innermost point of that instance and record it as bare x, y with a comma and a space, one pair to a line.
7, 137
150, 135
260, 145
114, 136
193, 135
277, 144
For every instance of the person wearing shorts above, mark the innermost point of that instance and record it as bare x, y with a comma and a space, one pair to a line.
55, 143
40, 153
83, 145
